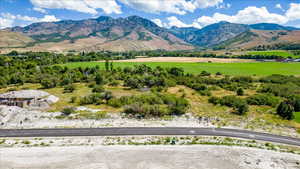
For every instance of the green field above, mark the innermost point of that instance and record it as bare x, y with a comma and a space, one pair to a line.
282, 53
297, 117
256, 68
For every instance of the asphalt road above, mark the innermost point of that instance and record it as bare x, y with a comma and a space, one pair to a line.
245, 134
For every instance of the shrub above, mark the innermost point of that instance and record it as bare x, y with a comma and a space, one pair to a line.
295, 101
151, 105
240, 92
68, 110
69, 88
283, 90
263, 99
240, 106
98, 89
73, 99
286, 110
48, 83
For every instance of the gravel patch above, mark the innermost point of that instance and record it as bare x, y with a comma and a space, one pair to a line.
146, 157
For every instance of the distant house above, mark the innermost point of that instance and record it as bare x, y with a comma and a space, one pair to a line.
27, 99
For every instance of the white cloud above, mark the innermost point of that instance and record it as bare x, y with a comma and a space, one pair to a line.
293, 13
158, 22
278, 6
180, 7
207, 3
9, 20
249, 15
85, 6
41, 10
174, 21
4, 23
48, 18
157, 6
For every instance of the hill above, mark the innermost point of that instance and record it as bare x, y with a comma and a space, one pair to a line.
13, 39
137, 33
103, 33
254, 38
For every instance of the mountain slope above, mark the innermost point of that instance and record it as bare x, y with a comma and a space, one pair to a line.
136, 33
108, 32
13, 39
253, 38
271, 26
210, 35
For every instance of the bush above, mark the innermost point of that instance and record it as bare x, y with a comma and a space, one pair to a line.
48, 83
286, 110
283, 90
240, 92
263, 99
73, 99
151, 105
69, 88
240, 106
68, 110
91, 99
295, 101
98, 89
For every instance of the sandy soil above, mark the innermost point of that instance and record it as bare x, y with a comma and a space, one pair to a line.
146, 157
185, 59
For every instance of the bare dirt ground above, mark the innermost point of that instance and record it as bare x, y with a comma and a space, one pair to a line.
185, 59
146, 157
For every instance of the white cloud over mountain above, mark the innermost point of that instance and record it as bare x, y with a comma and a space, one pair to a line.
85, 6
113, 6
249, 15
8, 20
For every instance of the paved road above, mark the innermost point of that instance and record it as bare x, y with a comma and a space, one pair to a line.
149, 131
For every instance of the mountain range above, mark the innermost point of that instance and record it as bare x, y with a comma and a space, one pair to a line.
137, 33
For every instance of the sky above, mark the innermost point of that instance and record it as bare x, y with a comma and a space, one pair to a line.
165, 13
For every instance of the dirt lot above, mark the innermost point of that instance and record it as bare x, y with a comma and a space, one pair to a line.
146, 157
185, 59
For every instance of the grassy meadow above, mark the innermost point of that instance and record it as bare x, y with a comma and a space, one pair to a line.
282, 53
253, 68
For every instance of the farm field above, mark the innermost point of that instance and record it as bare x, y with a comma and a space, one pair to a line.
297, 117
282, 53
254, 68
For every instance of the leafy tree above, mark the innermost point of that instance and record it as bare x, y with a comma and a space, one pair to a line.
286, 110
99, 79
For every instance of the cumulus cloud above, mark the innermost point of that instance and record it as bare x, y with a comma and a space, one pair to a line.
9, 20
249, 15
158, 22
174, 21
85, 6
157, 6
293, 13
180, 7
41, 10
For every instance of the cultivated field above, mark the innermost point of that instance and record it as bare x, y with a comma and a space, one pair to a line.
255, 68
282, 53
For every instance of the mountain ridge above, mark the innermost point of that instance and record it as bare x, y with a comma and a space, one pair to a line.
137, 33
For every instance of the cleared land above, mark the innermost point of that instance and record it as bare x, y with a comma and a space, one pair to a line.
255, 68
146, 157
185, 60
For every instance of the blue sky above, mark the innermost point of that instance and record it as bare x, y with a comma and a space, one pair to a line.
167, 13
